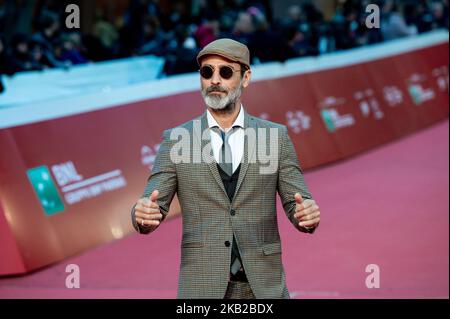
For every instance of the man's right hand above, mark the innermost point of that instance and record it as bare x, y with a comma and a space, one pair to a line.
147, 211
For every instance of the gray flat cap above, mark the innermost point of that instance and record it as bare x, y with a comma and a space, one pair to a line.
227, 48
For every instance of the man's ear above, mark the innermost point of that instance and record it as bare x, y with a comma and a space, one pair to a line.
247, 77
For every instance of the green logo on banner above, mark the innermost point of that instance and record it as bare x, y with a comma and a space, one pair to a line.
415, 93
328, 120
45, 190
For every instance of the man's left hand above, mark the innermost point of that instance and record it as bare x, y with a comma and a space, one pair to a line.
306, 212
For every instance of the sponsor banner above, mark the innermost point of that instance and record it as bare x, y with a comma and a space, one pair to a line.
68, 184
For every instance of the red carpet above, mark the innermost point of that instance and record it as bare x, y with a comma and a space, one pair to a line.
388, 207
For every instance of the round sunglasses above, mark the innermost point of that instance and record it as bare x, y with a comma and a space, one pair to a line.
225, 72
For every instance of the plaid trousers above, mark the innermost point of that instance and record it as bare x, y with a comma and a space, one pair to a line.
239, 290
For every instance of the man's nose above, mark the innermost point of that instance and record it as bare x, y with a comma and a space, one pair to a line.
216, 79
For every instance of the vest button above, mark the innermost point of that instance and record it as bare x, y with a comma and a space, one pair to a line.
227, 243
232, 212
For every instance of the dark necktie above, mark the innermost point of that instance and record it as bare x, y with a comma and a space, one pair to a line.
226, 164
225, 155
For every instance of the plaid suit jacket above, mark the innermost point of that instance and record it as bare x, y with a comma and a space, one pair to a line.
209, 219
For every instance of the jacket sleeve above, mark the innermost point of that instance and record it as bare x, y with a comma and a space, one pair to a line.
290, 179
163, 178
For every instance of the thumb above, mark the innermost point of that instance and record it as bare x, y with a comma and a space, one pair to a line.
154, 195
298, 198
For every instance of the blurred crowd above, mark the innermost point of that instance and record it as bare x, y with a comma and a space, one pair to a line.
178, 34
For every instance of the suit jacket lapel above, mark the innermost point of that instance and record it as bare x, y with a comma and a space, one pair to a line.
206, 145
249, 150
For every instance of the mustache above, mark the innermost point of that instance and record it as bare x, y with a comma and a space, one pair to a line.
217, 88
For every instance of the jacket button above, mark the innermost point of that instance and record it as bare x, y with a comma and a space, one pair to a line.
227, 243
232, 212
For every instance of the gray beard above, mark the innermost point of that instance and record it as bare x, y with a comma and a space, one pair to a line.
216, 102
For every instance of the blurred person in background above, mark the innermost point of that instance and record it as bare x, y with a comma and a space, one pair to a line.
347, 27
183, 49
37, 57
6, 59
48, 32
21, 58
265, 44
105, 31
393, 23
5, 63
131, 34
297, 42
155, 39
71, 49
207, 32
293, 29
243, 27
439, 12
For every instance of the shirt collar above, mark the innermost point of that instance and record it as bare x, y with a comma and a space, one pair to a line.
238, 122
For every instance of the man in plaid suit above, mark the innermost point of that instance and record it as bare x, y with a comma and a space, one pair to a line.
230, 245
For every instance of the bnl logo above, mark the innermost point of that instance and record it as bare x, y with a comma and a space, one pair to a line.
45, 189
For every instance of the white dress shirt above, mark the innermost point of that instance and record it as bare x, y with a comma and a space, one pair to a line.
236, 139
